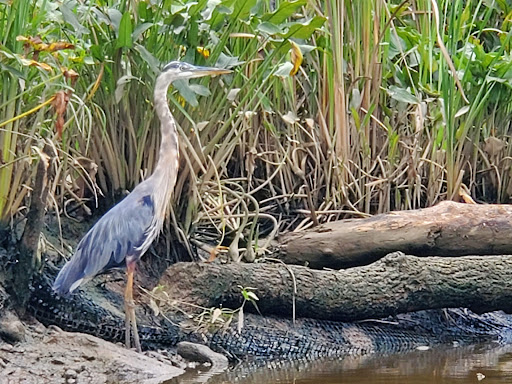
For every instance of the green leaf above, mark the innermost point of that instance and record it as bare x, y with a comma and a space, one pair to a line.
269, 28
89, 60
115, 18
151, 60
305, 29
97, 52
177, 8
70, 18
140, 29
235, 9
403, 95
242, 9
186, 92
12, 70
285, 10
200, 90
225, 61
283, 70
306, 48
124, 38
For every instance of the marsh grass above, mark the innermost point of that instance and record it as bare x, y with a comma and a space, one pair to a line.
397, 105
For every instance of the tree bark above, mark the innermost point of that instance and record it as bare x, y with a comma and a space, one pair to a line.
447, 229
395, 284
29, 257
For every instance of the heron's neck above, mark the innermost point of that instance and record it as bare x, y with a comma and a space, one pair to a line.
167, 166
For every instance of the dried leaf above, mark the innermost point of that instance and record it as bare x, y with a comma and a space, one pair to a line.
493, 146
38, 45
201, 125
69, 74
243, 35
35, 42
462, 111
296, 58
34, 63
216, 313
290, 118
232, 94
240, 324
60, 103
464, 193
154, 306
252, 296
58, 46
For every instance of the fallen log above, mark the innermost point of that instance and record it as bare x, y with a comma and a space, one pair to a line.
395, 284
447, 229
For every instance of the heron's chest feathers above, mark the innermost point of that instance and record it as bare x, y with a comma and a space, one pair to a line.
154, 195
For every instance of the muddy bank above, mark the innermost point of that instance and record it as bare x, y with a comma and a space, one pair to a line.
50, 355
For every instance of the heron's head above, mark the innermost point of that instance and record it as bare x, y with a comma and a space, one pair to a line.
180, 70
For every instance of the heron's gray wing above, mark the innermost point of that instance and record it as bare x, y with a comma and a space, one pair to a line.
119, 234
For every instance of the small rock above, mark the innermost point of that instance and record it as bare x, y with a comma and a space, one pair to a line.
11, 328
89, 357
38, 328
71, 381
70, 374
202, 354
6, 347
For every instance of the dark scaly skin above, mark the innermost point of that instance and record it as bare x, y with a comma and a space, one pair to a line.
272, 338
79, 314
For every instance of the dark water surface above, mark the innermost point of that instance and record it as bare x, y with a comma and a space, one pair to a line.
490, 363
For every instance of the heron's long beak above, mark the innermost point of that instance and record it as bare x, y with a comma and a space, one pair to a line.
199, 71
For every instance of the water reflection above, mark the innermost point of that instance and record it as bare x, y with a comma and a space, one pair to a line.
486, 363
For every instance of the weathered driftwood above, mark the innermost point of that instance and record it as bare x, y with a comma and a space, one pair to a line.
394, 284
447, 229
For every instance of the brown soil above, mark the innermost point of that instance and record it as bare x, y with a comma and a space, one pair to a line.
50, 355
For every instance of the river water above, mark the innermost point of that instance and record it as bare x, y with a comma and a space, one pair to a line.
486, 363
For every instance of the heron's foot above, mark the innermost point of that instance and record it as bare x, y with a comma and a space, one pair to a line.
127, 333
131, 326
136, 339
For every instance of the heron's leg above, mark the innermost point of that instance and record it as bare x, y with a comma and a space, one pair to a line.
129, 305
127, 294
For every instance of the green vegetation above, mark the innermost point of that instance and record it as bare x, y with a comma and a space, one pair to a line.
396, 105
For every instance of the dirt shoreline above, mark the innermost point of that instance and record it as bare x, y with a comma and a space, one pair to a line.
43, 355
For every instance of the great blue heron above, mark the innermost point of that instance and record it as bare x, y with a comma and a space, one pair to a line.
125, 232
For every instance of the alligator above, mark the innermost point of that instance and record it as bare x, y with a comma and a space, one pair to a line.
276, 338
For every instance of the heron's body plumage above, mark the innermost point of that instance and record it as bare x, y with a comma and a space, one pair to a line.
122, 235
